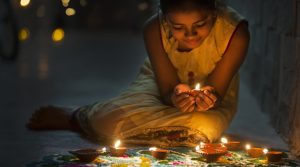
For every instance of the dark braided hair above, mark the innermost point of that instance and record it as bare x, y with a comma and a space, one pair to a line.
167, 6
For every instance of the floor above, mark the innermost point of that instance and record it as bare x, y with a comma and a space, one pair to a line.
83, 68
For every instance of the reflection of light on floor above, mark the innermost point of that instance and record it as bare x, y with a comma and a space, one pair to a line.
43, 67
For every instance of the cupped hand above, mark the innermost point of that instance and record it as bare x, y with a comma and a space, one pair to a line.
182, 99
206, 99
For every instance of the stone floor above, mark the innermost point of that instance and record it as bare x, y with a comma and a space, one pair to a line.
84, 68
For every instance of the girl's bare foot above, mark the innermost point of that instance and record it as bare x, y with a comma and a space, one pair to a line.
51, 118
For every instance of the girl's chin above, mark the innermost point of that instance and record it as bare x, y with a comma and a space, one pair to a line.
191, 45
188, 46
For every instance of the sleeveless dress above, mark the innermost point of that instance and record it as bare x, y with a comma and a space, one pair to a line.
138, 116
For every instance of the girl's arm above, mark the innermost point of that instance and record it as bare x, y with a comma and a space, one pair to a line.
165, 72
233, 58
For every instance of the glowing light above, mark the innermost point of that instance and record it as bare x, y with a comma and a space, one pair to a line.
70, 12
197, 86
24, 34
197, 148
152, 149
248, 146
202, 145
58, 35
117, 144
104, 149
24, 3
224, 140
65, 3
265, 151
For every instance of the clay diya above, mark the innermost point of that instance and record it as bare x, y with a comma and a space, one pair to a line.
211, 151
116, 150
274, 156
231, 145
159, 153
86, 155
196, 91
255, 152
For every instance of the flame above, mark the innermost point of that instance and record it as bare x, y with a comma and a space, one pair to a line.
265, 151
197, 148
248, 146
224, 140
197, 87
152, 149
117, 143
104, 149
202, 145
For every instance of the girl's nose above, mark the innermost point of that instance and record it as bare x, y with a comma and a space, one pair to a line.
190, 32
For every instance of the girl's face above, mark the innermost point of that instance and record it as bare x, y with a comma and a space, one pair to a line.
190, 28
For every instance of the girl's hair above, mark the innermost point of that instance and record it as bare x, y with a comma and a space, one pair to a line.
168, 6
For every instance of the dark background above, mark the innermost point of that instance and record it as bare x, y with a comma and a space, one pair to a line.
98, 57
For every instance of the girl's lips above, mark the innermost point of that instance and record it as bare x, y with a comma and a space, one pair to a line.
192, 42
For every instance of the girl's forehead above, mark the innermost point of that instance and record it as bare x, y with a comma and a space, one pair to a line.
183, 15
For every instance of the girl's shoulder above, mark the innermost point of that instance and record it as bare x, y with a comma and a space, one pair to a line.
151, 24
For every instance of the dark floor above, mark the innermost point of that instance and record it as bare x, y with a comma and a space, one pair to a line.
84, 68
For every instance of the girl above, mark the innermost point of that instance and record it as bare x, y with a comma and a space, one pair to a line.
188, 42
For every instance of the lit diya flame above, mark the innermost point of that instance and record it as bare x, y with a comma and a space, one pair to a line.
152, 149
202, 145
265, 151
197, 148
224, 140
117, 143
116, 150
104, 149
248, 146
159, 153
197, 87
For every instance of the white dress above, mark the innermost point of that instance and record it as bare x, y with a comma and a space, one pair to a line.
138, 116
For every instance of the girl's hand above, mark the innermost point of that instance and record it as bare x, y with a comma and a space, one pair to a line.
182, 99
206, 99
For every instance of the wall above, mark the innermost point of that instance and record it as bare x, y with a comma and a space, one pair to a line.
272, 68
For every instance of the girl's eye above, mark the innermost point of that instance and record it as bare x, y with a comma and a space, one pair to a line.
200, 24
177, 28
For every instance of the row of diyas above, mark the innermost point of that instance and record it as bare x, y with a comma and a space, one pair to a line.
213, 151
89, 154
210, 151
254, 152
